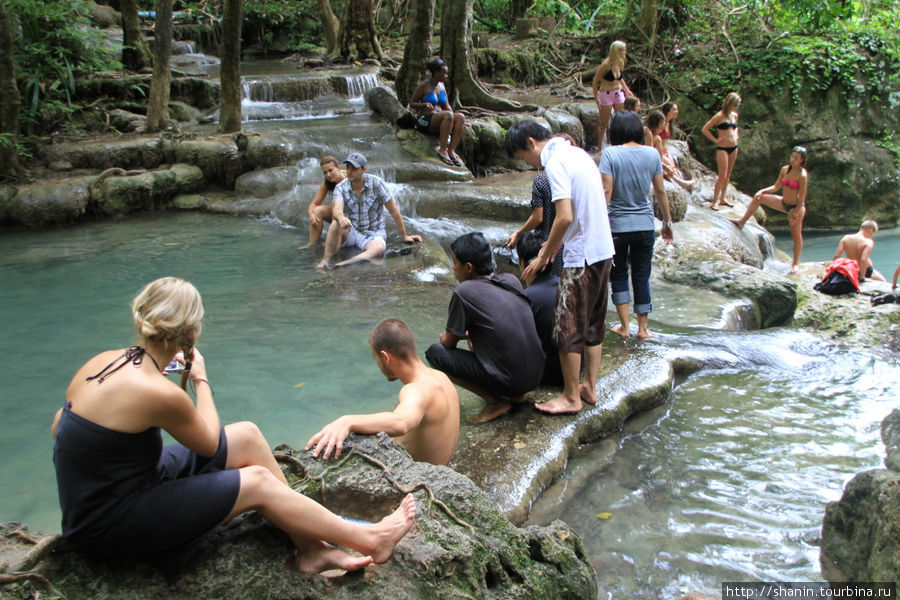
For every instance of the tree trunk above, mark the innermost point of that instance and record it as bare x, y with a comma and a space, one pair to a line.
135, 53
230, 79
158, 100
358, 29
648, 18
331, 27
518, 9
463, 88
417, 51
9, 96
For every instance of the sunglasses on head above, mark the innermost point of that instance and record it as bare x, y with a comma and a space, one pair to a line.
800, 149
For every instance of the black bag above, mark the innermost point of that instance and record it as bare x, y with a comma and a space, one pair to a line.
835, 284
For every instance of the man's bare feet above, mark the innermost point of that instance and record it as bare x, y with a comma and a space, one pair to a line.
325, 557
559, 406
491, 411
644, 333
622, 330
391, 529
587, 393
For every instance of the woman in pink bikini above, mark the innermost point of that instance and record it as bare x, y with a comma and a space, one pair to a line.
792, 181
609, 88
726, 140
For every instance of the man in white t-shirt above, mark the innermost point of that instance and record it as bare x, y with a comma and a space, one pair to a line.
583, 226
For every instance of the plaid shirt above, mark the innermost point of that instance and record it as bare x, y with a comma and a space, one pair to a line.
365, 211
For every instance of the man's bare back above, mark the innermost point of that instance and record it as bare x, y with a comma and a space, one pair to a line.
858, 246
434, 440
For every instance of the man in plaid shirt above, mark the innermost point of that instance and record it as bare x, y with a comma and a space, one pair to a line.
358, 215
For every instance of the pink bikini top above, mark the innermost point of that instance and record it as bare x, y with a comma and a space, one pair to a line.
791, 183
665, 134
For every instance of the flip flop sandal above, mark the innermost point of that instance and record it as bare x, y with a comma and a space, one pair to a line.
447, 160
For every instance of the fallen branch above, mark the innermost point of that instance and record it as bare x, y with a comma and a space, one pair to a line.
37, 578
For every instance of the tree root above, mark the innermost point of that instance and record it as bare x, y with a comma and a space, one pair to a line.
37, 578
296, 465
41, 549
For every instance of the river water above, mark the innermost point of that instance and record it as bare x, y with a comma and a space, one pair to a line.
820, 246
726, 482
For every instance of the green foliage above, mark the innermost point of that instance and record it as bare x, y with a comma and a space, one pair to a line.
54, 46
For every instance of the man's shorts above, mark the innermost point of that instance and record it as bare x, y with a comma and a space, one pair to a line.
581, 306
357, 239
611, 98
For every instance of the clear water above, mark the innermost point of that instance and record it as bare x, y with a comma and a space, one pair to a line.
820, 246
286, 347
730, 480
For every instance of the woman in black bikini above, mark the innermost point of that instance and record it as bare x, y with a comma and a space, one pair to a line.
610, 90
434, 114
125, 496
792, 181
726, 123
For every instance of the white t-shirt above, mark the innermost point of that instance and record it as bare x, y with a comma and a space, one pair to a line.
574, 175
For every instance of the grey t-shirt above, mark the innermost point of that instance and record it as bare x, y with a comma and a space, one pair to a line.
632, 170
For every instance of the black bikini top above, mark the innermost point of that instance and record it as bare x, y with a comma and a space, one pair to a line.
134, 355
726, 125
610, 77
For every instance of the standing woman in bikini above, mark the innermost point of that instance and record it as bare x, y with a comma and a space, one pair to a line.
726, 123
792, 181
609, 88
434, 114
318, 212
125, 496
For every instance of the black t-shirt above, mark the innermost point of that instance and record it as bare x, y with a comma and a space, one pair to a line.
500, 326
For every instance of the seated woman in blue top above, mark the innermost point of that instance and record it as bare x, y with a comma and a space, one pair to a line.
434, 114
125, 496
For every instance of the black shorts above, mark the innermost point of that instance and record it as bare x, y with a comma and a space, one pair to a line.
423, 122
464, 365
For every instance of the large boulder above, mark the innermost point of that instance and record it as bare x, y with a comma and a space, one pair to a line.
46, 204
861, 532
460, 547
139, 152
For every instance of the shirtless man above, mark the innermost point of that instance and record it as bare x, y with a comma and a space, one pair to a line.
858, 247
426, 418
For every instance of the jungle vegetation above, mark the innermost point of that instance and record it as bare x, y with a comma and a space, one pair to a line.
49, 45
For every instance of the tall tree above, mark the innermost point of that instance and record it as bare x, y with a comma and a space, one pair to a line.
463, 87
519, 8
9, 95
331, 26
158, 99
358, 29
419, 47
135, 53
648, 18
230, 80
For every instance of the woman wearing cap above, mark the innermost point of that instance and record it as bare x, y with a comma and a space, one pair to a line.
792, 181
434, 114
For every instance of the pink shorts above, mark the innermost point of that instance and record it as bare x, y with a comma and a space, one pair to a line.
611, 98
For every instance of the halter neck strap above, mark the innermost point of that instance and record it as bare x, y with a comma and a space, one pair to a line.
134, 355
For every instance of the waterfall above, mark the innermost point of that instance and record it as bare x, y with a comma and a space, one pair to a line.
357, 85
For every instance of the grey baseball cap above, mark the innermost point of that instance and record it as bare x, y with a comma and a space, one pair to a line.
356, 159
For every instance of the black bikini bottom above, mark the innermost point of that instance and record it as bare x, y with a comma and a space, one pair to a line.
729, 149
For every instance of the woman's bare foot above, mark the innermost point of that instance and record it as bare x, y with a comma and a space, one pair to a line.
325, 557
725, 202
391, 529
491, 411
308, 244
795, 268
559, 406
737, 223
622, 330
688, 185
587, 393
714, 206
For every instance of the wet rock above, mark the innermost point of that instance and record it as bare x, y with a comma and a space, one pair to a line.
563, 122
384, 102
129, 153
218, 158
126, 121
131, 192
272, 149
47, 204
463, 549
589, 115
850, 319
263, 183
